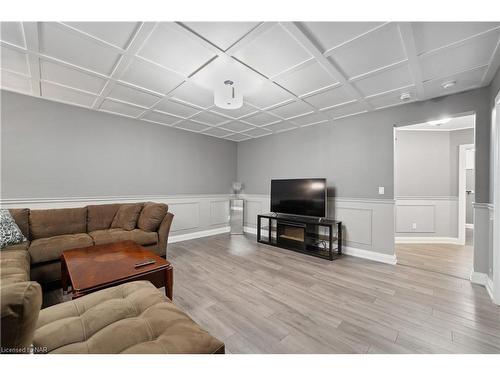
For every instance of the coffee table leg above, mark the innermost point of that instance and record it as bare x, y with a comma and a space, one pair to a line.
64, 276
169, 282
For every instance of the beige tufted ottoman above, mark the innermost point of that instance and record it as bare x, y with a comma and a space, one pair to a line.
130, 318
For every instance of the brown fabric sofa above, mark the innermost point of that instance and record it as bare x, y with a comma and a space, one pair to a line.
50, 232
130, 318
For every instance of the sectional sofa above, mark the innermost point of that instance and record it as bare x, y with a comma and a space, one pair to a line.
130, 318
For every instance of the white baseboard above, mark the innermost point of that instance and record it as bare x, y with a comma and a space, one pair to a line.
483, 279
371, 255
443, 240
352, 251
198, 234
469, 226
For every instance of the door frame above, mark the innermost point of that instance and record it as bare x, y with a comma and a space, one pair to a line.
495, 133
462, 197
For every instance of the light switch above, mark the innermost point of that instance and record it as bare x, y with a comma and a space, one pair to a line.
414, 226
381, 190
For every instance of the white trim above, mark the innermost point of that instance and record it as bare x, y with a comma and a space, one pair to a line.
495, 135
198, 234
371, 255
337, 199
480, 278
427, 198
469, 226
462, 198
348, 250
444, 240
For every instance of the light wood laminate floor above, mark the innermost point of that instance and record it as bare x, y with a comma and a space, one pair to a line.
262, 299
454, 260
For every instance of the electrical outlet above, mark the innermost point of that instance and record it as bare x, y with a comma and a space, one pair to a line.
381, 190
414, 226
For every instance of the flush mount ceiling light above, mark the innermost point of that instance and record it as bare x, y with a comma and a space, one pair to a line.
227, 96
439, 122
405, 96
448, 84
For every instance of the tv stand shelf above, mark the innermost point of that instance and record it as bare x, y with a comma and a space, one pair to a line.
319, 237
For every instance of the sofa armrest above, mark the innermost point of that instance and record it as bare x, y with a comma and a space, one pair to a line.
163, 232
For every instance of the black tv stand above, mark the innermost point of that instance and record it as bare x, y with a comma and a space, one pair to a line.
309, 235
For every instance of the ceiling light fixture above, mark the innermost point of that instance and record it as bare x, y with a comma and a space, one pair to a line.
448, 84
405, 96
226, 96
439, 122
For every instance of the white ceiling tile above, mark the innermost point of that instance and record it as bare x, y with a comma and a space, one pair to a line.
244, 110
375, 50
66, 95
75, 48
14, 61
432, 35
346, 110
273, 52
153, 77
209, 118
464, 81
386, 80
176, 109
329, 35
175, 50
133, 96
471, 54
12, 32
161, 117
237, 137
261, 119
16, 82
217, 132
281, 127
70, 77
292, 109
308, 78
392, 98
222, 34
310, 119
191, 93
267, 95
116, 33
330, 98
237, 126
121, 108
257, 132
192, 126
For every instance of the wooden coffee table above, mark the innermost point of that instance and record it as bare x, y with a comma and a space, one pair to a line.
92, 268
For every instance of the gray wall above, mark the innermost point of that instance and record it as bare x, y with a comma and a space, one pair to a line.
56, 150
355, 154
426, 162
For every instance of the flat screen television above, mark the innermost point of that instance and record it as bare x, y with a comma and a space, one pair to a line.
304, 196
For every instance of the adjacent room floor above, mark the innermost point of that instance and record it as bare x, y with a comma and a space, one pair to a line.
453, 260
262, 299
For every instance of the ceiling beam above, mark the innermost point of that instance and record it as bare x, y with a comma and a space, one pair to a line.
406, 31
33, 44
141, 35
294, 29
493, 65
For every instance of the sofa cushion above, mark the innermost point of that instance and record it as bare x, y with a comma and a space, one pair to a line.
126, 216
54, 222
100, 216
48, 249
14, 266
21, 217
129, 318
139, 236
151, 216
21, 304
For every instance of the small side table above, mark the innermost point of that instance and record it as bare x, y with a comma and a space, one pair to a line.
236, 212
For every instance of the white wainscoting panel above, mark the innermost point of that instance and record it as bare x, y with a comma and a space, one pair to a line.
357, 224
187, 216
219, 212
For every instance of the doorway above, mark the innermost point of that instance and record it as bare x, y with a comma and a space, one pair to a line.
434, 184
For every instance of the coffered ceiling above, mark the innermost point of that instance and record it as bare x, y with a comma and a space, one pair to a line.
295, 74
